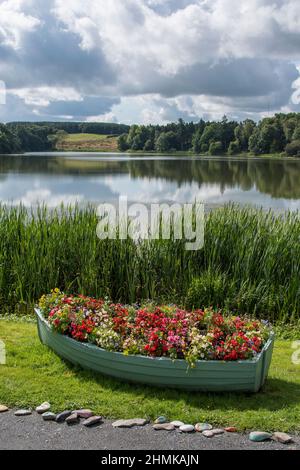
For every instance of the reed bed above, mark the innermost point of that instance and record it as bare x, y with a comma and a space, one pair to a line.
250, 262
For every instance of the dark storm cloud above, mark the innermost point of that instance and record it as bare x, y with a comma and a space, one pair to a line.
90, 106
50, 56
231, 78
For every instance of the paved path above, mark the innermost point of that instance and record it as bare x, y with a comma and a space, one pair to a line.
32, 432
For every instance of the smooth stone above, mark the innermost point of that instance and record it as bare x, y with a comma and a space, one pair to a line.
259, 436
164, 427
217, 432
177, 424
72, 419
208, 434
23, 413
231, 429
61, 417
85, 414
187, 428
3, 409
49, 416
282, 437
43, 408
201, 427
129, 423
161, 420
92, 421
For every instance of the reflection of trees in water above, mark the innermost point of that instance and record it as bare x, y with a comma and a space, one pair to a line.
57, 165
278, 178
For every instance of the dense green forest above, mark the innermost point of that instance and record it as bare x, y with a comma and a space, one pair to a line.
277, 134
42, 136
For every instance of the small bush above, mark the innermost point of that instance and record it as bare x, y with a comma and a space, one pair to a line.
293, 149
215, 148
234, 148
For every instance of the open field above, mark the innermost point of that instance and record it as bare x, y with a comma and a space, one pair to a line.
88, 143
34, 374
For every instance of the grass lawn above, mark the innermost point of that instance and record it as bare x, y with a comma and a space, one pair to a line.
34, 374
80, 137
88, 142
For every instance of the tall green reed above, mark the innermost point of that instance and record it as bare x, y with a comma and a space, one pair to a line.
250, 261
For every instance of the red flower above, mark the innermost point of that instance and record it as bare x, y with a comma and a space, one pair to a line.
159, 331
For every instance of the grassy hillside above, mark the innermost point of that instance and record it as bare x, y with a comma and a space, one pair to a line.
88, 142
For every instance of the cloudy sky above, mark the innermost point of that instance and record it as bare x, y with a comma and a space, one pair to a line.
148, 60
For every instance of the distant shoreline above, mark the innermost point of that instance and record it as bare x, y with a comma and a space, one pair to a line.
191, 155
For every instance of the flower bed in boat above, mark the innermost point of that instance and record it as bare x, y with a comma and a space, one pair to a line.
155, 331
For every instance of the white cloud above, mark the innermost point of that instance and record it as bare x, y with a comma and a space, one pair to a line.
296, 86
107, 117
43, 96
195, 57
14, 23
130, 31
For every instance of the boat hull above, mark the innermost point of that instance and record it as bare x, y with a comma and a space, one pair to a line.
207, 376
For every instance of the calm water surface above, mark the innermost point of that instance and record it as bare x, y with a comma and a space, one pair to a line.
54, 178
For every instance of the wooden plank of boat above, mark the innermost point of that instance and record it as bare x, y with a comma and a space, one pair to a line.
214, 376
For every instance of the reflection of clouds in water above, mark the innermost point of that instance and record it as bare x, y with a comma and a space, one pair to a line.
40, 196
146, 190
106, 184
154, 191
291, 205
188, 193
255, 198
16, 188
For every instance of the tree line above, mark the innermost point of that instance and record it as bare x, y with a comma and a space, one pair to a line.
18, 137
277, 134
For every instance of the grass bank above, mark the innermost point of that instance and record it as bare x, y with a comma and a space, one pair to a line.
34, 374
250, 262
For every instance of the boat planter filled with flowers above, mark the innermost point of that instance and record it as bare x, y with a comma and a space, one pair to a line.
163, 346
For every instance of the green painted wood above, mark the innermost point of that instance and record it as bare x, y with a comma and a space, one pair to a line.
215, 376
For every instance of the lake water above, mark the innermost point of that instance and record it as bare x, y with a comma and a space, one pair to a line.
54, 178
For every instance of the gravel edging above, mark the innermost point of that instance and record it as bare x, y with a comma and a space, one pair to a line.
32, 433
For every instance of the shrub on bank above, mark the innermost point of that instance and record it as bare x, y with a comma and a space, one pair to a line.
293, 149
